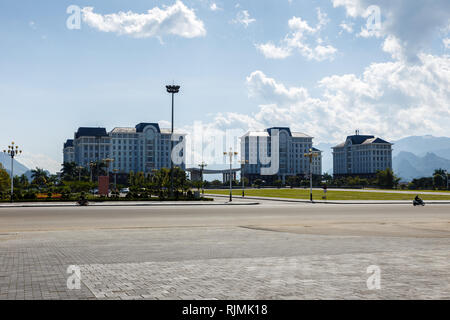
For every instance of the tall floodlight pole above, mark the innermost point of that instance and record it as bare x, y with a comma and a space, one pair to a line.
231, 154
13, 150
172, 89
243, 163
202, 167
310, 155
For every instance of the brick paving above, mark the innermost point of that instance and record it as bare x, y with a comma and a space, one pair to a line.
220, 263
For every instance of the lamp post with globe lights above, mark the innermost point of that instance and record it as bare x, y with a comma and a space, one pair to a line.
172, 89
13, 151
231, 154
310, 155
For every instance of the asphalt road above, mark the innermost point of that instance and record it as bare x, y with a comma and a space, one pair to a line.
397, 220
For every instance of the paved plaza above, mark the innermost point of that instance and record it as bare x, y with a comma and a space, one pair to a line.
266, 251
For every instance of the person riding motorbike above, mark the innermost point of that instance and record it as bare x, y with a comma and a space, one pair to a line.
418, 201
83, 201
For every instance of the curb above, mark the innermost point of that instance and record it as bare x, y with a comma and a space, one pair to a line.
131, 205
330, 202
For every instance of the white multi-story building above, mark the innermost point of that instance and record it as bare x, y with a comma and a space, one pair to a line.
69, 151
256, 145
361, 155
144, 148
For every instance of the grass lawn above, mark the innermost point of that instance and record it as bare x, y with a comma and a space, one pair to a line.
331, 195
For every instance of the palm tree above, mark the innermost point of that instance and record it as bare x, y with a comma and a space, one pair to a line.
69, 171
39, 176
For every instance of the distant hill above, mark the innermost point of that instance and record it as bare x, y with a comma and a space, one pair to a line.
19, 168
421, 145
409, 166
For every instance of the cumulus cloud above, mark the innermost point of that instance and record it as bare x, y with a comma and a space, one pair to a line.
243, 17
446, 43
32, 160
346, 26
214, 7
412, 25
176, 20
271, 51
300, 38
390, 99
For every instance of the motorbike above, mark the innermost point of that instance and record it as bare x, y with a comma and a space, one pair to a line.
82, 202
418, 202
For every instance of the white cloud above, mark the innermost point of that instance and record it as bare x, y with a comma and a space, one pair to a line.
446, 43
32, 25
214, 7
31, 161
393, 46
171, 20
243, 17
346, 26
269, 50
300, 39
391, 100
412, 25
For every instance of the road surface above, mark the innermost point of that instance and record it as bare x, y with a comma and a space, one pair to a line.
269, 251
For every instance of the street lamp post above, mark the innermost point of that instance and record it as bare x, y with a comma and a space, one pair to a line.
115, 179
231, 154
79, 172
310, 155
91, 165
107, 162
13, 150
202, 166
243, 162
172, 89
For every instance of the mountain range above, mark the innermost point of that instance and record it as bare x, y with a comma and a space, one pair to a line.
19, 168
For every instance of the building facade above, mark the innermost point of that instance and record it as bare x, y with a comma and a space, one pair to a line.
69, 151
361, 155
144, 148
256, 148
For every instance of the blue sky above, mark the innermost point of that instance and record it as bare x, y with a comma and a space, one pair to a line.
241, 64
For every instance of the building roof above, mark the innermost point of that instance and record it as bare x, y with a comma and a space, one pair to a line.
361, 139
268, 131
316, 150
90, 132
68, 143
140, 127
123, 130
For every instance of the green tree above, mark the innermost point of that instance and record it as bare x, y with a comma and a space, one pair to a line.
69, 171
39, 177
5, 180
278, 183
293, 181
258, 183
387, 179
131, 181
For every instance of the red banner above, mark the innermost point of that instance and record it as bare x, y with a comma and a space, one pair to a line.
103, 185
